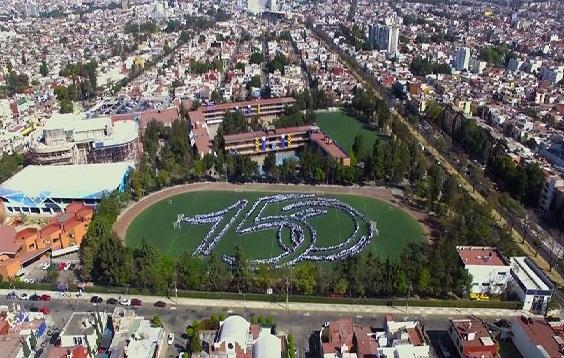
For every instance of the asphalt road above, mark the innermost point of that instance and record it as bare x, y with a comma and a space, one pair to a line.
301, 325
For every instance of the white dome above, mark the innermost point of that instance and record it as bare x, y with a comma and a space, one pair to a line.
267, 346
234, 330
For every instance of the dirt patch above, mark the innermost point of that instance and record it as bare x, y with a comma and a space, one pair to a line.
384, 194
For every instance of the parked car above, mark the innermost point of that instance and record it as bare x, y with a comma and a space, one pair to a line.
20, 273
160, 304
46, 265
55, 338
28, 280
45, 297
35, 297
136, 302
33, 309
96, 300
11, 296
170, 339
72, 266
23, 296
44, 310
112, 301
124, 301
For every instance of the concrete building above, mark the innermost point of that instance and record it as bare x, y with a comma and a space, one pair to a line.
553, 187
343, 338
61, 185
489, 269
134, 336
80, 329
205, 120
253, 6
472, 339
531, 285
260, 143
477, 66
462, 59
72, 139
403, 339
386, 36
66, 230
538, 338
239, 338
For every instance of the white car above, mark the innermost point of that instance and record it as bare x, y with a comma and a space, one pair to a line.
28, 280
23, 296
170, 339
124, 302
20, 273
45, 266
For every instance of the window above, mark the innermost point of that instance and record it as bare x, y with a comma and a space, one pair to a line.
77, 341
502, 273
487, 284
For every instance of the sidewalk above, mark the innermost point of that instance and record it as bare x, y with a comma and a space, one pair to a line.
306, 308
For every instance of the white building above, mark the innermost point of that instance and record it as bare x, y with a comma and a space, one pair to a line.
477, 66
403, 339
273, 5
530, 284
80, 329
386, 36
253, 6
462, 59
237, 335
489, 269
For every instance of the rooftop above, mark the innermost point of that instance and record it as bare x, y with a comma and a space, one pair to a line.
483, 256
542, 334
79, 324
473, 334
529, 275
83, 181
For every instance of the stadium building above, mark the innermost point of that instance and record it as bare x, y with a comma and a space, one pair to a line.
47, 190
73, 139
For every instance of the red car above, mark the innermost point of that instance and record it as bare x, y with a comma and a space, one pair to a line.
160, 304
45, 297
44, 310
136, 302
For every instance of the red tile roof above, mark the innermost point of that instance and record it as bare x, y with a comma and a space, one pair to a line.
165, 116
8, 242
541, 333
328, 146
486, 256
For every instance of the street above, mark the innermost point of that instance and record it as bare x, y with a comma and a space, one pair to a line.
302, 324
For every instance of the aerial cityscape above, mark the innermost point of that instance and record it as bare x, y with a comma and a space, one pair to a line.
281, 178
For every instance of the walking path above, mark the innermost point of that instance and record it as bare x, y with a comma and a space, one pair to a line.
379, 193
306, 308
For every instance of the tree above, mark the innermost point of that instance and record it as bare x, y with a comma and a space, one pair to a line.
256, 58
305, 277
66, 106
424, 281
194, 342
157, 322
291, 348
32, 341
43, 69
190, 271
255, 82
239, 271
216, 274
269, 164
358, 146
25, 348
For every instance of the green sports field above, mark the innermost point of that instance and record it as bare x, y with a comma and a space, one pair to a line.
395, 228
344, 129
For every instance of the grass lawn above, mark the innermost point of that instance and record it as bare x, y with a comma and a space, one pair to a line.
343, 128
155, 224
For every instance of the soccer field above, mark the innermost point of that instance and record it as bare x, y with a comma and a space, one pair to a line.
285, 228
343, 129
